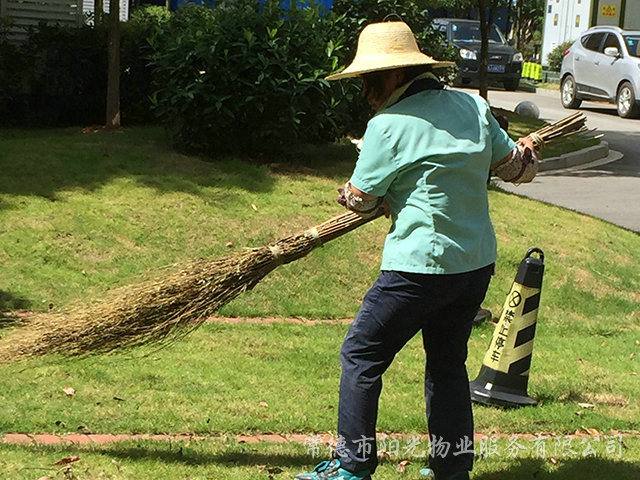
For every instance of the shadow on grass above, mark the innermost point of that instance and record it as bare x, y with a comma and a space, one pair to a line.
178, 453
591, 468
9, 302
45, 162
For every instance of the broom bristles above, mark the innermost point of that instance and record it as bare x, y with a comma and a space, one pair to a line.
169, 308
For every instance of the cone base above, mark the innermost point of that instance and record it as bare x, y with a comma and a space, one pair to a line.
498, 398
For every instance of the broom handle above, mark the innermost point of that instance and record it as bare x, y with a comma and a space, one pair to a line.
341, 224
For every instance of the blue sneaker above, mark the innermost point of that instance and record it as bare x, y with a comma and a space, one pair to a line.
331, 470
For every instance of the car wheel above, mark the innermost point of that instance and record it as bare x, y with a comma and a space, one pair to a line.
568, 93
511, 85
626, 101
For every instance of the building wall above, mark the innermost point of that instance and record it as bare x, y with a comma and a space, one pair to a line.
608, 12
88, 7
564, 21
632, 15
29, 13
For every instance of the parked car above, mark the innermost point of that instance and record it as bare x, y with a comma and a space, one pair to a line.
603, 64
505, 62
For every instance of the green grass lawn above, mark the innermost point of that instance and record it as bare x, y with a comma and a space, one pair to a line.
82, 213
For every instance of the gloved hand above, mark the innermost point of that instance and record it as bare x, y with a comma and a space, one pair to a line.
342, 199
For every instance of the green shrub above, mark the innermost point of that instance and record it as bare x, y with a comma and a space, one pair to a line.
555, 56
249, 77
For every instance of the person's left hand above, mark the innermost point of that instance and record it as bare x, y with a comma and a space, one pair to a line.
342, 199
528, 142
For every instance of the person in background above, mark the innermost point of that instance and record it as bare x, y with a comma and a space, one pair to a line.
425, 158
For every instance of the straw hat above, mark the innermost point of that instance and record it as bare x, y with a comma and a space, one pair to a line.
384, 46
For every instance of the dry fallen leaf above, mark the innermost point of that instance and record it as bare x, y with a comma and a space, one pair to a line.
228, 244
586, 405
70, 391
592, 431
553, 460
264, 404
402, 466
254, 207
67, 460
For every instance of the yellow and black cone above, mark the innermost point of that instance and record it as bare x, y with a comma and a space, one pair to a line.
504, 374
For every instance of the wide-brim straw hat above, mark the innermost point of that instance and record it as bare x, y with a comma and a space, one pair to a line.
385, 46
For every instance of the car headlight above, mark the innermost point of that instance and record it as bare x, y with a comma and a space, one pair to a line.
468, 54
517, 57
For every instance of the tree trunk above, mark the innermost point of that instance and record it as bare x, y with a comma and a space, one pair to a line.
98, 12
113, 72
483, 77
486, 11
520, 29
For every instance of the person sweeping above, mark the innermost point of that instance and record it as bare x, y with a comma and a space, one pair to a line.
424, 158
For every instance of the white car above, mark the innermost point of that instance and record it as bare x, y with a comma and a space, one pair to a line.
603, 64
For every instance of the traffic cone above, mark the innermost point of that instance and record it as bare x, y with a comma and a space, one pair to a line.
504, 374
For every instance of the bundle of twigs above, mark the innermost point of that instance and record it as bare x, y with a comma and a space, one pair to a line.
174, 306
571, 125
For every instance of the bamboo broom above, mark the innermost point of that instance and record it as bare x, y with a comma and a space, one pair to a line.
171, 307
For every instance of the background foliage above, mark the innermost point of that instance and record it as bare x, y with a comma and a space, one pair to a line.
556, 55
58, 77
249, 77
358, 14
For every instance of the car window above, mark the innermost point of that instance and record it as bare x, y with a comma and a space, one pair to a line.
612, 41
465, 32
470, 32
633, 44
594, 41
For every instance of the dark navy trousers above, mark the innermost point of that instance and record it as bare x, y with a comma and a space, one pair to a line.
398, 306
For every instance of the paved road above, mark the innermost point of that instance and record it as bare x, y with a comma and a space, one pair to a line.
610, 191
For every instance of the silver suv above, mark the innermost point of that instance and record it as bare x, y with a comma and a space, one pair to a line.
603, 64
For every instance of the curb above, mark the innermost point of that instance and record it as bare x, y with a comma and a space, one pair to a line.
579, 157
547, 92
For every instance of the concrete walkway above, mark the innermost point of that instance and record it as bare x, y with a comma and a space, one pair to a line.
571, 182
609, 190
